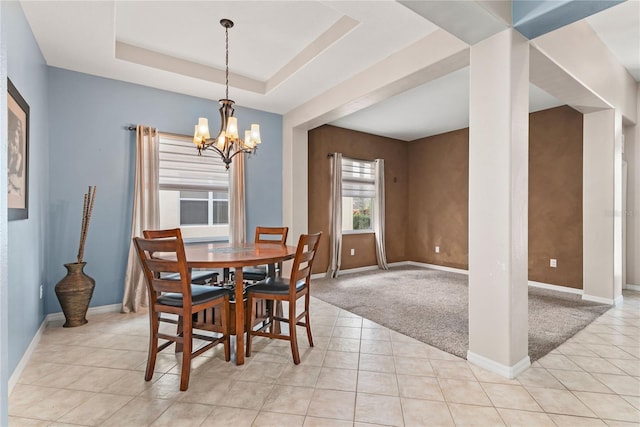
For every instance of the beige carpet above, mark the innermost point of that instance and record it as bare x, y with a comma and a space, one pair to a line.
433, 306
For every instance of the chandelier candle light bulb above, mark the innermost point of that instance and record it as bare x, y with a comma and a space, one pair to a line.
222, 138
228, 143
232, 128
203, 128
255, 134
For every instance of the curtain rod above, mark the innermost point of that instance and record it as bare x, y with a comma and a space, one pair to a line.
352, 158
179, 135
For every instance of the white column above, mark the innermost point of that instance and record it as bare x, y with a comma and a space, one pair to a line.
619, 252
295, 149
498, 203
602, 206
632, 155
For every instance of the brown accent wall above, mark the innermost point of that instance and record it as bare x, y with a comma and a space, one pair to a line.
364, 246
555, 196
427, 183
328, 139
439, 199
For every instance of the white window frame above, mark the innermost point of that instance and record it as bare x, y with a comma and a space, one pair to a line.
209, 200
181, 169
358, 184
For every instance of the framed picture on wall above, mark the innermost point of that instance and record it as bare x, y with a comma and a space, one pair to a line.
18, 154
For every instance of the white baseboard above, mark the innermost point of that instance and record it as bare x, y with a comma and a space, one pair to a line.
398, 264
498, 368
53, 317
13, 380
619, 300
601, 300
555, 287
466, 272
360, 269
569, 290
112, 308
348, 271
631, 287
438, 267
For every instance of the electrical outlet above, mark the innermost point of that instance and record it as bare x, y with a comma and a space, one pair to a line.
437, 249
553, 263
41, 290
353, 252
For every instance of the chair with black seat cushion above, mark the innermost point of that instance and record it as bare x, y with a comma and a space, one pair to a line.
161, 252
278, 289
266, 235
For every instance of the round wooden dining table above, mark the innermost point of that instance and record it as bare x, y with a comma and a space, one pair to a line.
224, 255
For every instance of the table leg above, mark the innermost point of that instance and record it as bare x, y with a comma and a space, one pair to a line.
276, 306
271, 270
239, 317
277, 310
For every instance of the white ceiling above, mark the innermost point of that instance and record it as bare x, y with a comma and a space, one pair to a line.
619, 28
282, 53
439, 106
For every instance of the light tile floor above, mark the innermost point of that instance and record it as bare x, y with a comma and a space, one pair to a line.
358, 374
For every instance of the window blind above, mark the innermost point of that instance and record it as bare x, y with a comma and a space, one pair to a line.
358, 178
182, 169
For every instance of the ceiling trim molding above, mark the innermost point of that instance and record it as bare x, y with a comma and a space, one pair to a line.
339, 29
150, 58
428, 58
553, 78
160, 61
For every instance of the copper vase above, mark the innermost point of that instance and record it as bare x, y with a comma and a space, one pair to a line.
74, 292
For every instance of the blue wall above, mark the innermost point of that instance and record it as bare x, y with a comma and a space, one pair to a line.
90, 146
27, 257
78, 138
535, 18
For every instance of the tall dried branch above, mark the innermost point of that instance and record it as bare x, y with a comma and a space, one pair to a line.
87, 211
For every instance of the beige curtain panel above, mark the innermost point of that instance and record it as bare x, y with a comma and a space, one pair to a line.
237, 218
379, 215
146, 213
335, 238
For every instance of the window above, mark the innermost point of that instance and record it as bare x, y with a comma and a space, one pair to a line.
194, 190
204, 207
358, 192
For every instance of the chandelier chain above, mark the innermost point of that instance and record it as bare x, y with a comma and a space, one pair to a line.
226, 32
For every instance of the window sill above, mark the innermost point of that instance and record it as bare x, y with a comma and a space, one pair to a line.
220, 226
344, 232
216, 239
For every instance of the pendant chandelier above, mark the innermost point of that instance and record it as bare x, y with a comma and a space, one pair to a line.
227, 143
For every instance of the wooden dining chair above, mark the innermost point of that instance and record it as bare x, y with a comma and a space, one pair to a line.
255, 274
179, 297
266, 235
278, 290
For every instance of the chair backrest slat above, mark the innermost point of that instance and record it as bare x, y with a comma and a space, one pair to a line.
271, 235
163, 266
301, 274
302, 263
162, 285
169, 245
